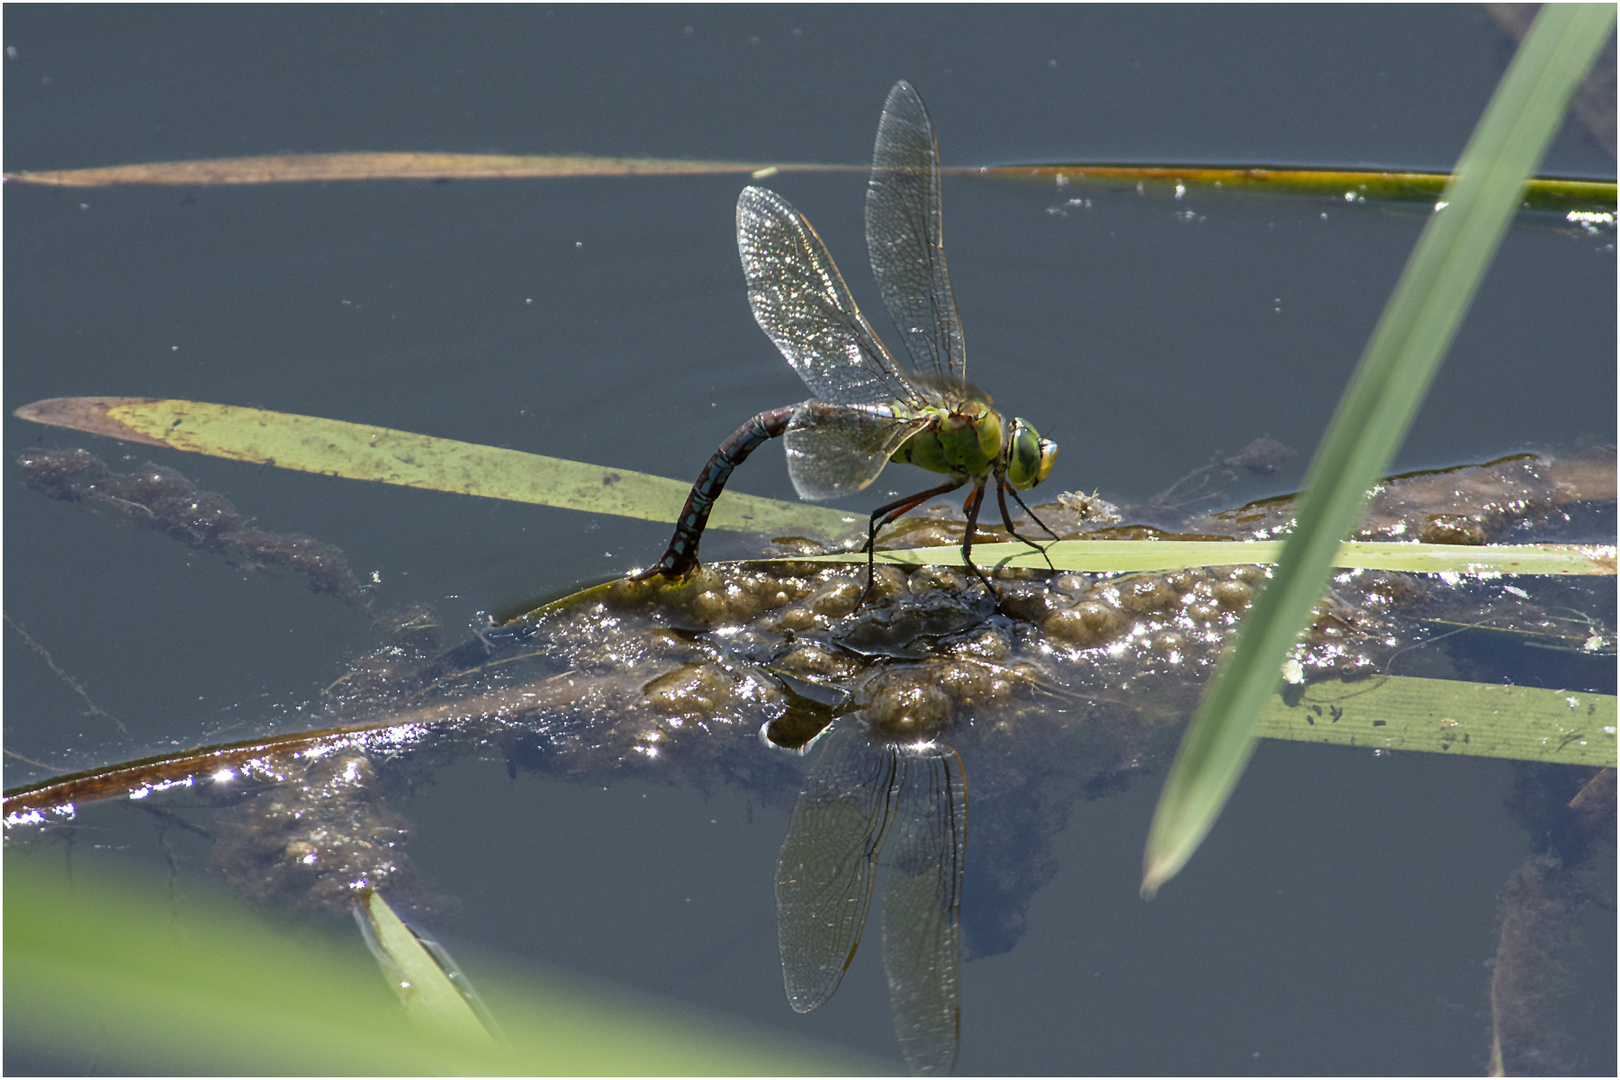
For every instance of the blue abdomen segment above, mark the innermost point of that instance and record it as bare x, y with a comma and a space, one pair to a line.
682, 556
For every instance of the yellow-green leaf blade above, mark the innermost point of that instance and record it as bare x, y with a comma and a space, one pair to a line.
417, 978
1136, 556
1448, 717
384, 455
1350, 185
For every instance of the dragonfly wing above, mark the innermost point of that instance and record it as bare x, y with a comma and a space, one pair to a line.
825, 868
903, 238
832, 452
922, 926
801, 302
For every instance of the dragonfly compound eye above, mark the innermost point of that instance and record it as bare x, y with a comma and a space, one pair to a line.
1029, 457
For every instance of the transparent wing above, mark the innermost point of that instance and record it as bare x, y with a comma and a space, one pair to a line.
834, 451
824, 870
801, 302
922, 926
903, 238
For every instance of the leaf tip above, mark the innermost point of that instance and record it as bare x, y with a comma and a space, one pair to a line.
87, 414
1156, 870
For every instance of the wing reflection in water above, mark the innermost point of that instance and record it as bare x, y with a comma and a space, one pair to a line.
865, 795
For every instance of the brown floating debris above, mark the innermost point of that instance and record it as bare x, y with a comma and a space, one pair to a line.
1594, 805
1528, 977
155, 497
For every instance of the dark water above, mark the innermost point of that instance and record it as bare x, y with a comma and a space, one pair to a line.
605, 320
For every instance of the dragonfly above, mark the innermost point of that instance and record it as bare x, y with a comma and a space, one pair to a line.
867, 796
866, 410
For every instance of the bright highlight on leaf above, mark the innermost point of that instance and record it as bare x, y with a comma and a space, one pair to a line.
1412, 336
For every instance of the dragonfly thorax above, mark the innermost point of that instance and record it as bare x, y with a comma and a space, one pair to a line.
974, 441
965, 441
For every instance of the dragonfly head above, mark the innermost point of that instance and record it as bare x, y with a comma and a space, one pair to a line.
1029, 457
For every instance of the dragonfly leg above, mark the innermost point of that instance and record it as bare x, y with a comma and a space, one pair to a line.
974, 502
1002, 487
682, 556
888, 512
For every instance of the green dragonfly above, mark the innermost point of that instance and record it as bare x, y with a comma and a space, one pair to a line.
866, 410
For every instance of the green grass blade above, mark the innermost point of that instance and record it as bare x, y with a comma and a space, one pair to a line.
1135, 556
124, 973
362, 452
1349, 185
1412, 335
427, 988
1443, 716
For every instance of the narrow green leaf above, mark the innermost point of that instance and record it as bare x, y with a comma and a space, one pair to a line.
1412, 336
362, 452
1442, 716
124, 972
416, 976
1347, 185
1134, 556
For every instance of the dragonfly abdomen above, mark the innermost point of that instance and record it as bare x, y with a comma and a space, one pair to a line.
681, 557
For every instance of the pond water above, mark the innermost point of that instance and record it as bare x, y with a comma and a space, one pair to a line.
1341, 915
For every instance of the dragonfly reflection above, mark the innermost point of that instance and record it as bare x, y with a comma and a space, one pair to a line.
864, 797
